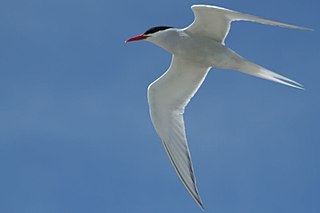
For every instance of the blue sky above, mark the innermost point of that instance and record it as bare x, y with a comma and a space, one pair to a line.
75, 132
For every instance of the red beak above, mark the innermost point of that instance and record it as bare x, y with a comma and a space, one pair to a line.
137, 38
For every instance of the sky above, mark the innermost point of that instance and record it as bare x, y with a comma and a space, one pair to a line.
75, 132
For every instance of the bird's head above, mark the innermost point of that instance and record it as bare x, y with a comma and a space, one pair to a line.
151, 34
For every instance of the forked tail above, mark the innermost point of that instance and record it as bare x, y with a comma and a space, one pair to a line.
258, 71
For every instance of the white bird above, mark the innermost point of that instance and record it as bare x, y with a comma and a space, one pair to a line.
195, 50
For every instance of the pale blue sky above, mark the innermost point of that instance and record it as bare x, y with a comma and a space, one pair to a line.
75, 132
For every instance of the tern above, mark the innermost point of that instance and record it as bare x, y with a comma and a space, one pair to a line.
195, 50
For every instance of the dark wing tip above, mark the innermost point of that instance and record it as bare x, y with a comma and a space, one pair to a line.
194, 192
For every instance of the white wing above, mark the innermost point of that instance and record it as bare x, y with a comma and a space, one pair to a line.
167, 97
214, 22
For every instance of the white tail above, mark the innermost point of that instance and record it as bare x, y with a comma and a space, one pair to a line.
258, 71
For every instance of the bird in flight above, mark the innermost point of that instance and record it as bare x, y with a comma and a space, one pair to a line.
195, 50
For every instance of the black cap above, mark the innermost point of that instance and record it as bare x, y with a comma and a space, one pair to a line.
156, 29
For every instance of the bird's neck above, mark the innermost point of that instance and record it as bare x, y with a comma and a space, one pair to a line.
168, 40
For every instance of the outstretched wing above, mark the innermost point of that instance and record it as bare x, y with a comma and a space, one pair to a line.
214, 22
167, 97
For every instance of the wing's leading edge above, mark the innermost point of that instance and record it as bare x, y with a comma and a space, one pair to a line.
214, 22
167, 97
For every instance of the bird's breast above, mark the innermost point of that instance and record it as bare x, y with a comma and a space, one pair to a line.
202, 50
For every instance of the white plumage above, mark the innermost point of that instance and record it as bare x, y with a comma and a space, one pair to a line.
195, 50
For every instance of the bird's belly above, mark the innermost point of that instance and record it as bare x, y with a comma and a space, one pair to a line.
209, 53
